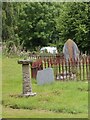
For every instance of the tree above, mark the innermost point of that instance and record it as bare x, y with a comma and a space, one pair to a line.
73, 23
38, 27
40, 24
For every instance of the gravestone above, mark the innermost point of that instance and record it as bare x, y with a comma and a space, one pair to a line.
70, 50
45, 76
71, 55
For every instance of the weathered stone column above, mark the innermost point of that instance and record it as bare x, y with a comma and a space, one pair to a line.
27, 87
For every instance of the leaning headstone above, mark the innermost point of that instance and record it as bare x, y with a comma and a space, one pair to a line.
45, 76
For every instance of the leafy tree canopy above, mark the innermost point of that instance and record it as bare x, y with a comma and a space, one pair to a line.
40, 24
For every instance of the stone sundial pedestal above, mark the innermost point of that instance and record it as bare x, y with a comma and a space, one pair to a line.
27, 87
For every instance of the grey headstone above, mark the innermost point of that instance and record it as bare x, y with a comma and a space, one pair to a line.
45, 76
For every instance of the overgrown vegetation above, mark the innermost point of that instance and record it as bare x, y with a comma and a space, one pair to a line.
59, 99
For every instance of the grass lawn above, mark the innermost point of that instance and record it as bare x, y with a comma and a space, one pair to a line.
57, 100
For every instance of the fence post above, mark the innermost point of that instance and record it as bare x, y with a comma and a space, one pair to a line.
89, 68
63, 68
80, 64
27, 87
86, 67
83, 64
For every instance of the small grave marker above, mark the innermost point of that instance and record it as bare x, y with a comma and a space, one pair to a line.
45, 76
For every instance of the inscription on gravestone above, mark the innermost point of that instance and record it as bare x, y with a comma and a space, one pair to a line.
45, 76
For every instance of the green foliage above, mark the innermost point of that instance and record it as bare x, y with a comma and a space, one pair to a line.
73, 23
43, 23
38, 25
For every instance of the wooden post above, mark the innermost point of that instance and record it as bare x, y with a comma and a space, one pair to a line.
27, 87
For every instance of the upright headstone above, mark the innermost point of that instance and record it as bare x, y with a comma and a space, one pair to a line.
45, 76
71, 55
70, 50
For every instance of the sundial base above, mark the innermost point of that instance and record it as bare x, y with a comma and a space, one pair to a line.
29, 94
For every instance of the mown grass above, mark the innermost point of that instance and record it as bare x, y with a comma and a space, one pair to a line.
59, 99
23, 113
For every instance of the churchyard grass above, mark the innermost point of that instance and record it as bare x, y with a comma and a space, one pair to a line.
59, 99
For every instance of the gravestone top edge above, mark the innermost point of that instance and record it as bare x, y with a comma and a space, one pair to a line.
45, 76
25, 62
